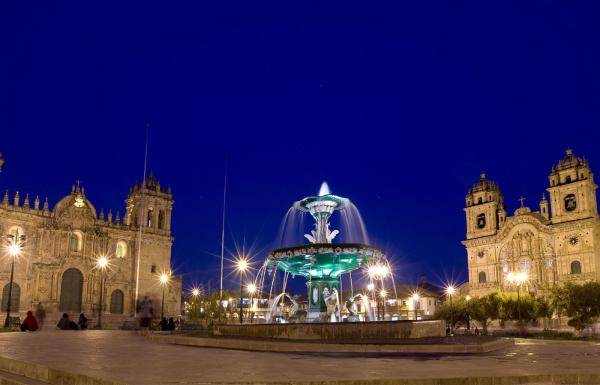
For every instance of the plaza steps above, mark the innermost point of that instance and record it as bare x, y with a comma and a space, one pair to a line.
7, 378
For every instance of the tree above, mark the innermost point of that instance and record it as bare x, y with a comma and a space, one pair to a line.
456, 313
484, 309
580, 302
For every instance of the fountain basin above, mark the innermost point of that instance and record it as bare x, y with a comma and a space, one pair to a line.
387, 330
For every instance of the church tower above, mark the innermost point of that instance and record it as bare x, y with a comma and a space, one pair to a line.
572, 190
485, 212
157, 206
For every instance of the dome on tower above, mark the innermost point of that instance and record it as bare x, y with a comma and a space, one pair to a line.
570, 161
484, 184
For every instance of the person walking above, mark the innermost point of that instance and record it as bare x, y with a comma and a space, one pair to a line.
30, 323
40, 315
146, 311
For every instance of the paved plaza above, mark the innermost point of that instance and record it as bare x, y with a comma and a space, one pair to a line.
128, 358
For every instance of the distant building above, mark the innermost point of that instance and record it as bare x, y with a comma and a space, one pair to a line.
557, 244
61, 247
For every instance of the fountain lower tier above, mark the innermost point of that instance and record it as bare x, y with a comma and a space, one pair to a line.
322, 264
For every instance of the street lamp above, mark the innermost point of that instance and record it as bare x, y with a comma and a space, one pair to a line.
518, 279
164, 279
415, 299
378, 272
251, 290
449, 292
102, 264
383, 294
242, 265
14, 250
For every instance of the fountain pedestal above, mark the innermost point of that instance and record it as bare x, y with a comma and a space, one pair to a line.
318, 290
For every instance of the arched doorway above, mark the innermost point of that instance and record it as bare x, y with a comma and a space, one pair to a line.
71, 289
116, 302
15, 298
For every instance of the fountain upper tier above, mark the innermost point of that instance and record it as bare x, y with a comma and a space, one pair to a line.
321, 207
324, 260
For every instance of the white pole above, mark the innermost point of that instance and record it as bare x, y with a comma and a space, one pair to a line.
141, 224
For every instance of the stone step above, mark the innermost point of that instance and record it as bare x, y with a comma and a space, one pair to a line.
13, 379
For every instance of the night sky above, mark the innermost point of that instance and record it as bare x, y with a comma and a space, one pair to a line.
397, 107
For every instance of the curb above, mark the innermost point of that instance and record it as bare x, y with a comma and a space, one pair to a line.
327, 348
62, 377
49, 375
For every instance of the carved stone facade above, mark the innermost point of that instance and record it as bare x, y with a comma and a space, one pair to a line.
61, 248
557, 244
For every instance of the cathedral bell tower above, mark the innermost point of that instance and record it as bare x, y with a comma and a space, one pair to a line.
154, 213
485, 212
572, 190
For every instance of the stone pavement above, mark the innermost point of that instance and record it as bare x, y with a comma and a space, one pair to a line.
125, 357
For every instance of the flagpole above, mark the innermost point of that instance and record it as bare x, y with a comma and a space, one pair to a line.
223, 231
141, 226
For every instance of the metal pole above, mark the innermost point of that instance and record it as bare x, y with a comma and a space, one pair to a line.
12, 272
162, 304
519, 305
10, 285
241, 298
451, 317
101, 299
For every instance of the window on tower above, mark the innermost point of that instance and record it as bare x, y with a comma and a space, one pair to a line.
482, 277
150, 218
570, 202
481, 221
161, 219
575, 267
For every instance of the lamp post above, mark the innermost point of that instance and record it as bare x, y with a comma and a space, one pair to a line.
518, 279
102, 263
164, 279
449, 292
371, 289
251, 290
415, 299
14, 250
378, 272
383, 294
242, 265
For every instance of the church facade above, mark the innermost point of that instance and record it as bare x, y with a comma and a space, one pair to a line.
61, 246
558, 243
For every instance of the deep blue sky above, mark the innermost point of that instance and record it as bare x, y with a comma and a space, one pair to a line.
398, 107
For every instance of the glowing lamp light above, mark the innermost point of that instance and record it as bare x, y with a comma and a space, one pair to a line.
14, 249
242, 264
450, 290
195, 292
251, 288
468, 298
383, 293
164, 278
415, 297
102, 262
370, 287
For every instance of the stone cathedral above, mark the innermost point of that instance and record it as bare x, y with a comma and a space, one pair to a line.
61, 247
558, 243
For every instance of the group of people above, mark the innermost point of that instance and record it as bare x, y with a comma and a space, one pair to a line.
32, 324
65, 323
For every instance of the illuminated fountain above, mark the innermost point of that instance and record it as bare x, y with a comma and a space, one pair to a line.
322, 262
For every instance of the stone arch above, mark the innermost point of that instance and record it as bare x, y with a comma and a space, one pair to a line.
482, 277
15, 297
71, 290
116, 302
575, 267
